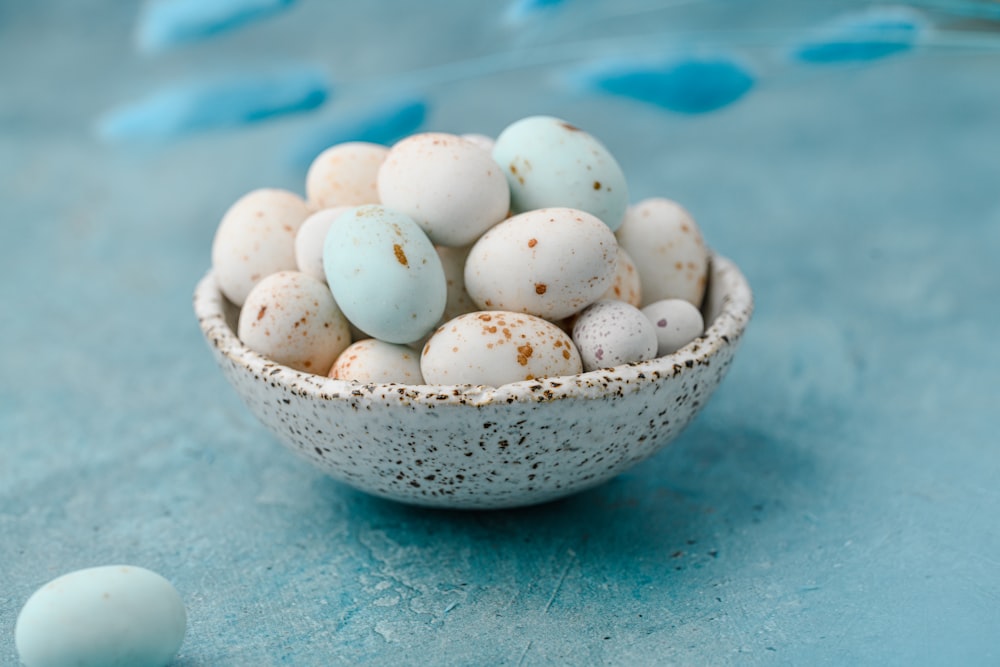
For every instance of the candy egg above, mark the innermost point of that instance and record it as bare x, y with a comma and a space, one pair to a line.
610, 333
291, 318
345, 175
548, 262
676, 323
256, 238
551, 163
309, 241
450, 186
666, 246
112, 616
626, 286
374, 361
494, 348
384, 273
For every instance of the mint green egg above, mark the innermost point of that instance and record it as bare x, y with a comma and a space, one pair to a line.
550, 163
384, 273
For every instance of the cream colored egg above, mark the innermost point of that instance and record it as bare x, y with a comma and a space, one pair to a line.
345, 175
453, 261
494, 348
549, 262
291, 318
310, 238
626, 286
450, 186
374, 361
256, 238
667, 248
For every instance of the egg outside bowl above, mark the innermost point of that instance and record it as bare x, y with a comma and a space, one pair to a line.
476, 447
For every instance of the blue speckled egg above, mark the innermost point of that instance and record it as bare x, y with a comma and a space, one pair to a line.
551, 163
384, 273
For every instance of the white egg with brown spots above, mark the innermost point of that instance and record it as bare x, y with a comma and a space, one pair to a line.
372, 361
310, 238
676, 323
549, 262
256, 238
626, 286
667, 248
449, 185
345, 175
291, 318
611, 333
495, 348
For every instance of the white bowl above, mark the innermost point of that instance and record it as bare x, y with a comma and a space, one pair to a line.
484, 447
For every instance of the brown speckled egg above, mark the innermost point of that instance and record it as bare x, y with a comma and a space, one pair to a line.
256, 238
345, 175
550, 262
610, 333
627, 286
291, 318
667, 248
494, 348
372, 361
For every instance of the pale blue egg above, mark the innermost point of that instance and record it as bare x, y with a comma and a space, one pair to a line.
384, 273
551, 163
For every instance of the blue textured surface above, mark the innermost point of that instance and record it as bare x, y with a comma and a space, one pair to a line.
835, 503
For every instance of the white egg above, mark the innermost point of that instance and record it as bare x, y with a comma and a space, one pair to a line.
481, 140
667, 248
111, 616
547, 262
494, 348
310, 238
292, 319
676, 323
626, 286
345, 175
256, 238
453, 261
450, 186
374, 361
611, 333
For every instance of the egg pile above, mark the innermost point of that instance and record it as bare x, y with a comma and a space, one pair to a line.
449, 259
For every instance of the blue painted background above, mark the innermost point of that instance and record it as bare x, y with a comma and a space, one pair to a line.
836, 502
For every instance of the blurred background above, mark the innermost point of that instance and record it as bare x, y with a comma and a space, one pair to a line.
836, 501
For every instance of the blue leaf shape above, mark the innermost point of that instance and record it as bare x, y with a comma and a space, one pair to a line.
863, 37
165, 24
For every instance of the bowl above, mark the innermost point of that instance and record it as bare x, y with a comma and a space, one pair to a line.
477, 447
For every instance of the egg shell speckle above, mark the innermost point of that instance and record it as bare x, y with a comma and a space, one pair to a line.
256, 238
676, 323
450, 186
374, 361
110, 616
610, 333
494, 348
549, 262
668, 250
309, 241
384, 273
292, 318
551, 163
345, 175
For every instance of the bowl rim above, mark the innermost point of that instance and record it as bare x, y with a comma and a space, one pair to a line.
734, 308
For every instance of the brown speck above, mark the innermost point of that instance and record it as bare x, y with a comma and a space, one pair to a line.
260, 313
400, 255
597, 185
485, 317
307, 364
506, 332
678, 266
523, 352
532, 243
513, 169
491, 329
571, 128
565, 354
540, 288
684, 227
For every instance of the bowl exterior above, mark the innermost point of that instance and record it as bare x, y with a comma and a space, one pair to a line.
476, 447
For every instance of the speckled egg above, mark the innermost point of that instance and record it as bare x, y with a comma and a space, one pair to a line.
384, 273
111, 616
450, 186
372, 361
256, 238
676, 323
610, 333
291, 318
494, 348
548, 262
667, 248
345, 175
551, 163
310, 238
626, 286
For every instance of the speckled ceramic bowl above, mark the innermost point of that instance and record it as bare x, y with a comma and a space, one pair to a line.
484, 447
